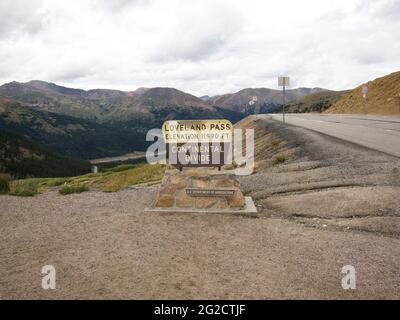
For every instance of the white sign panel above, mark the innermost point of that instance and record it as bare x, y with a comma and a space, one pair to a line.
283, 81
197, 131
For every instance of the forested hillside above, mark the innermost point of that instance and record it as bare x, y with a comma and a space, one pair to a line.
21, 158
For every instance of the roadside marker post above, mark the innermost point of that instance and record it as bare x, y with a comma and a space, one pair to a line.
283, 82
365, 92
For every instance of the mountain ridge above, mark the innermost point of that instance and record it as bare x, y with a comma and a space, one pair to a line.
314, 102
101, 105
251, 100
383, 97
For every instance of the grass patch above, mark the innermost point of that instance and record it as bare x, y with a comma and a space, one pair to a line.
121, 168
120, 177
136, 175
55, 182
69, 189
31, 187
280, 158
110, 180
276, 142
24, 188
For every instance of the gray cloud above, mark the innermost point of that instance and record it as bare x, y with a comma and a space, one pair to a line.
18, 17
199, 32
383, 8
117, 5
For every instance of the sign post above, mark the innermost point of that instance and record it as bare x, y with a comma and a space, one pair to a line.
365, 93
283, 82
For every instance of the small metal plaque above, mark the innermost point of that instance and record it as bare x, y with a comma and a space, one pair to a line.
195, 192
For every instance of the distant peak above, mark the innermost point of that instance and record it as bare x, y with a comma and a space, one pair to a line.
39, 81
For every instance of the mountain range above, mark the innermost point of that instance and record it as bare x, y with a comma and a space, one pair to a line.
259, 100
146, 104
62, 122
104, 105
97, 123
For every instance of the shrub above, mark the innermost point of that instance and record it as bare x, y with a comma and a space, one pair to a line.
4, 186
24, 188
53, 182
280, 158
69, 189
275, 142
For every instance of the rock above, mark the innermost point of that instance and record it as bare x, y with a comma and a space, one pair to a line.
222, 181
179, 181
237, 200
165, 201
183, 200
165, 180
223, 204
196, 172
168, 189
206, 202
201, 182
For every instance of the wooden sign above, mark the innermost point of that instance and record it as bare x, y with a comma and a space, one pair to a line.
197, 143
197, 131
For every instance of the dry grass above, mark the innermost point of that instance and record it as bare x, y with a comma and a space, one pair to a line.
110, 180
383, 97
280, 158
276, 142
30, 187
69, 189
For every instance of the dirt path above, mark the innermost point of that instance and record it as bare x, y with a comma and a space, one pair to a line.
104, 246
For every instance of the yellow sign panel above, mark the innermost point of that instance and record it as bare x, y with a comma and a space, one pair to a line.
192, 131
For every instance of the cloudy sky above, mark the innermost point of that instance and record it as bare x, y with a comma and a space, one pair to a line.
202, 47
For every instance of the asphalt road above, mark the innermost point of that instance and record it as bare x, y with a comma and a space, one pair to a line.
380, 133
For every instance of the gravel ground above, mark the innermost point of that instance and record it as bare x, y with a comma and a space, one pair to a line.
104, 246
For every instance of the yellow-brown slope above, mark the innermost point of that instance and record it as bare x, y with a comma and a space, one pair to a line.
383, 97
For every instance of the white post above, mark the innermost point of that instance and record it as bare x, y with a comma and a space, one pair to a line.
283, 82
365, 92
283, 108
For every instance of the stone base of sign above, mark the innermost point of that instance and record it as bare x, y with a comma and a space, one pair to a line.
201, 190
248, 208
